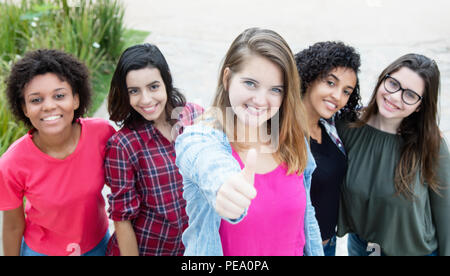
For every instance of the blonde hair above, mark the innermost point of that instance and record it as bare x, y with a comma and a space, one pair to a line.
292, 146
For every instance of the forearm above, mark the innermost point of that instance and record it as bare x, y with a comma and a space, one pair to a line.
126, 238
204, 156
13, 228
12, 241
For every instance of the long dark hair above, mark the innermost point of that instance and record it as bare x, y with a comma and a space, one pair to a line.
135, 58
420, 131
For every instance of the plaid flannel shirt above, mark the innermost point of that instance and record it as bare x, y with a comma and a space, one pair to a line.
146, 187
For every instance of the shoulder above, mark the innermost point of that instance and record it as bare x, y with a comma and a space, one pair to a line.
123, 137
203, 135
127, 141
98, 126
189, 113
204, 129
96, 123
341, 124
444, 150
18, 155
346, 129
193, 108
16, 149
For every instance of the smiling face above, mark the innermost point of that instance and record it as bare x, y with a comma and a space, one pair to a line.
325, 96
391, 106
256, 91
147, 93
49, 103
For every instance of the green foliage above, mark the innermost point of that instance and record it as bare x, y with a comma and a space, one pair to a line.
101, 86
10, 130
108, 14
13, 31
91, 30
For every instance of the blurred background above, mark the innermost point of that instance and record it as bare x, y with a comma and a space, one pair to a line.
195, 35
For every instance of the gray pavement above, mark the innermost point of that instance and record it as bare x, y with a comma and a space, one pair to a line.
194, 36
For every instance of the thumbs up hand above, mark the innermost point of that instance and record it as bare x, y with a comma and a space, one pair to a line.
235, 195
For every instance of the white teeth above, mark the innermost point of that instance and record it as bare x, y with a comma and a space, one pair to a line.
52, 118
149, 109
390, 105
331, 105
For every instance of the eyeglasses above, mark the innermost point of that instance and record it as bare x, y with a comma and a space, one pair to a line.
409, 97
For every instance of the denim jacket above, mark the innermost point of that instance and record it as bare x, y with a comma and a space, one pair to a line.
204, 158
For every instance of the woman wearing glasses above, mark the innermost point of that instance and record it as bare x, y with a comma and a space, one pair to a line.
395, 199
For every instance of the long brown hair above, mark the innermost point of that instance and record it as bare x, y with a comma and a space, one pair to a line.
419, 131
291, 146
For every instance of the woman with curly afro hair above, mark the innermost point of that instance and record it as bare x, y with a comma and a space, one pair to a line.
58, 165
330, 86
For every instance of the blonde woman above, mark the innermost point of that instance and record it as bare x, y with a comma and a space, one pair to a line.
246, 165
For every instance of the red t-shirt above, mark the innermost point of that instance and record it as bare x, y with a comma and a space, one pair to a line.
65, 210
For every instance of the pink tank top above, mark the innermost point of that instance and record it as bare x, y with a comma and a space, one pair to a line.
274, 225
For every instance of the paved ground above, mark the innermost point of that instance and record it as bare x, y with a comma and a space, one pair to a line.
194, 36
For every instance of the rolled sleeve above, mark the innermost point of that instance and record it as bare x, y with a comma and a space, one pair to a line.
204, 156
120, 176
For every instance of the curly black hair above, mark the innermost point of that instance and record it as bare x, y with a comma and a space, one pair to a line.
40, 62
317, 61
